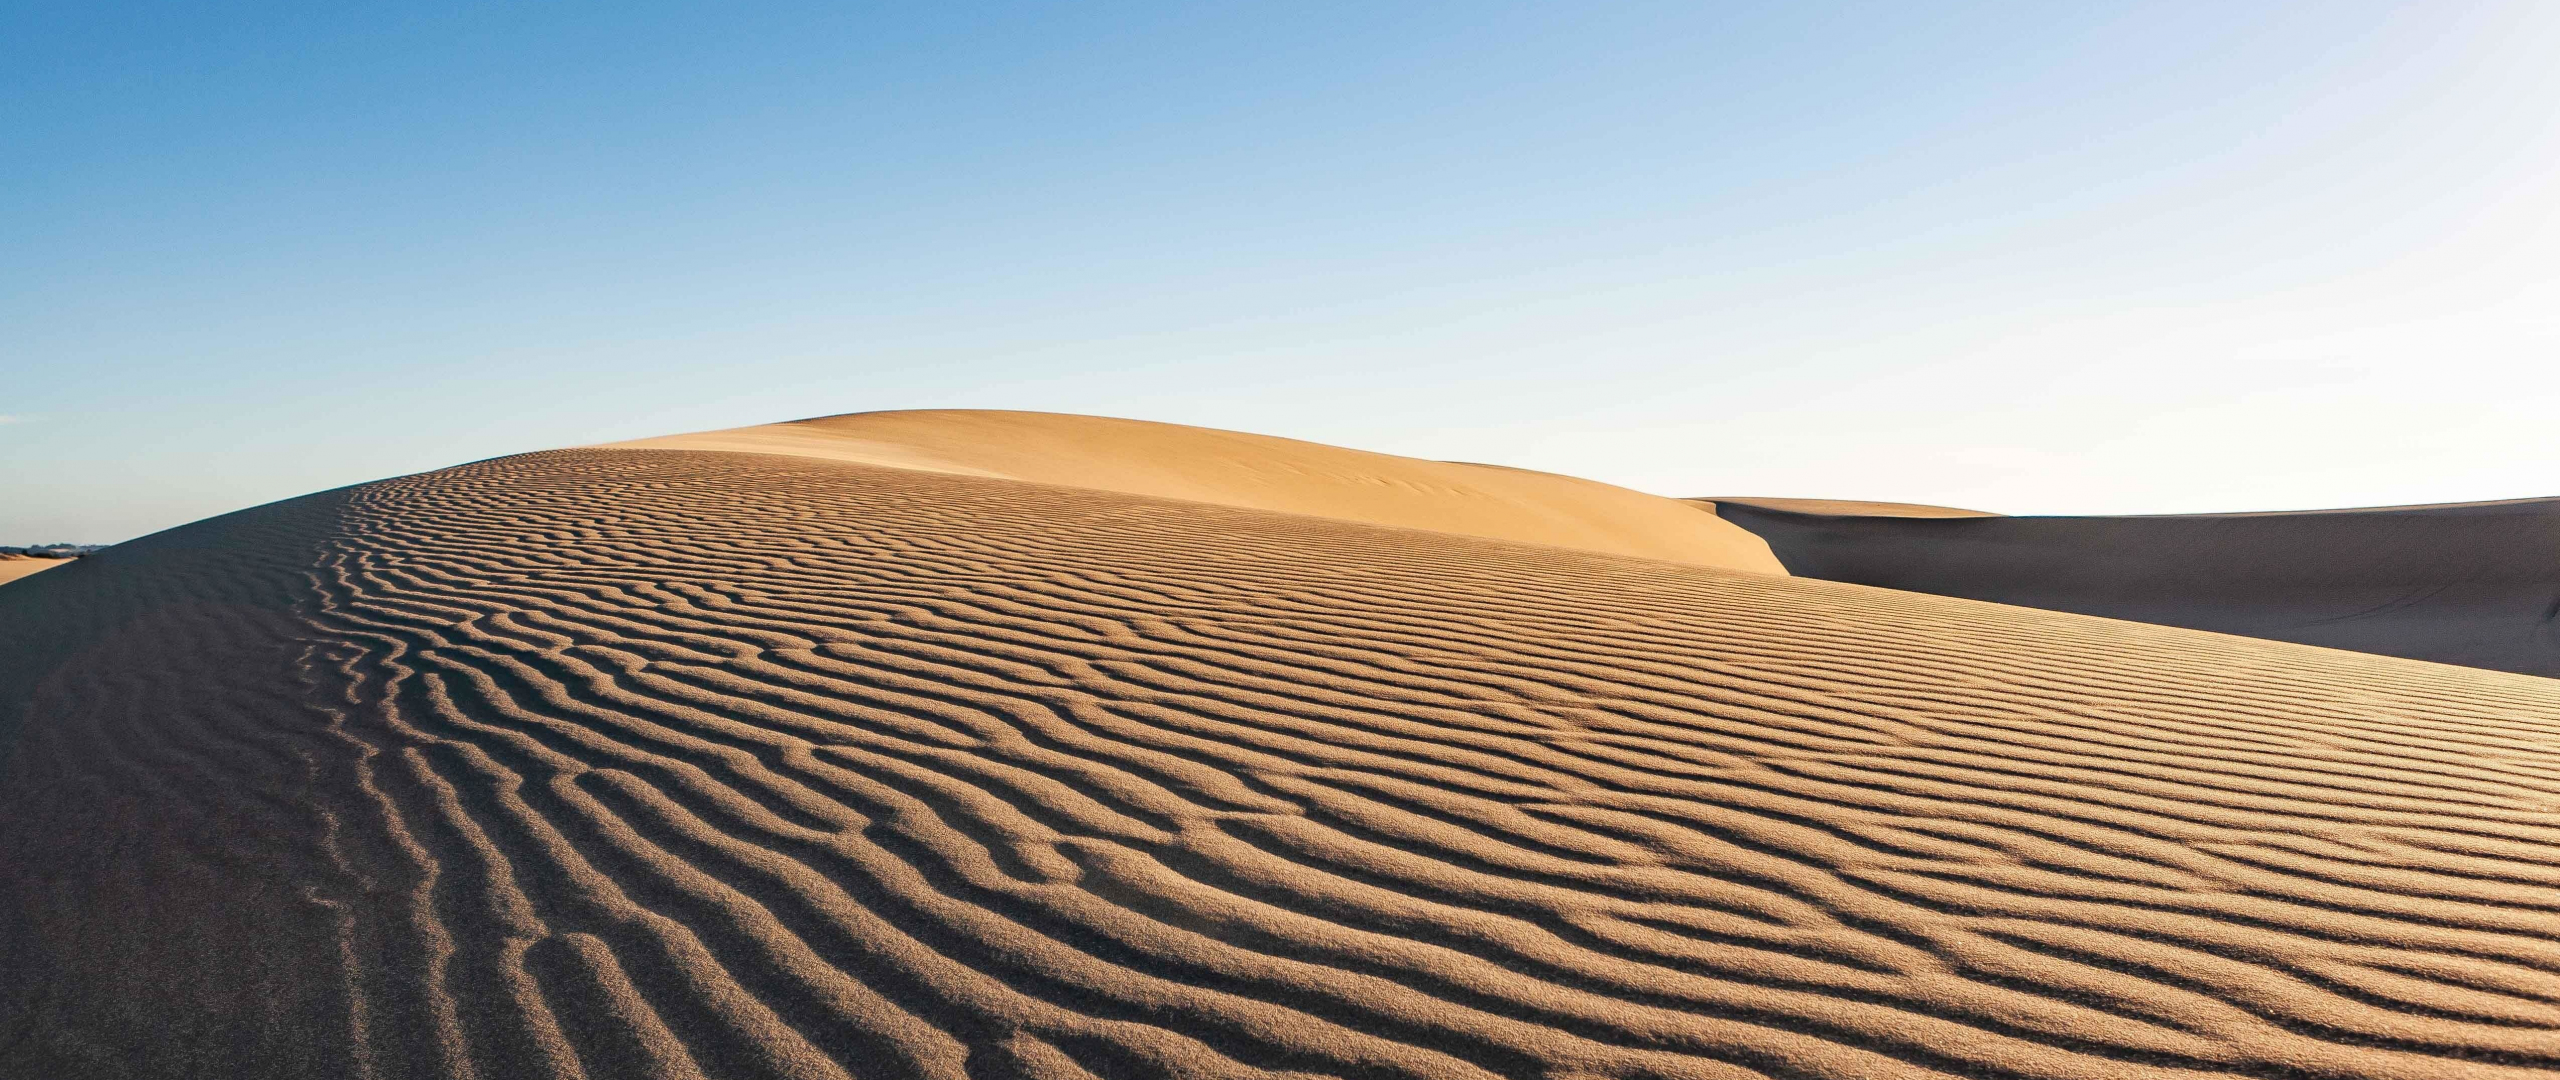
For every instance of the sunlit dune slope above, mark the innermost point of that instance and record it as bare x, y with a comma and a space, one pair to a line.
687, 764
2472, 583
1228, 468
11, 569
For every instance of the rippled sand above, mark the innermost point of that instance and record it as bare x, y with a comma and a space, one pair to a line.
638, 763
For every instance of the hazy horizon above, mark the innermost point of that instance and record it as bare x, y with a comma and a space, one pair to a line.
2140, 258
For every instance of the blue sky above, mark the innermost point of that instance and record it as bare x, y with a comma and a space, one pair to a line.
2031, 257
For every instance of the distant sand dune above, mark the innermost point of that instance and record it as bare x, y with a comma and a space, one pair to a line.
2472, 583
1229, 468
691, 764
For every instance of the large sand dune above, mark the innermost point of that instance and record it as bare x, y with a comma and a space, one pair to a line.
2472, 583
1230, 468
620, 763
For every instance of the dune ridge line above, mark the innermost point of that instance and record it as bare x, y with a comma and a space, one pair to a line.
1230, 468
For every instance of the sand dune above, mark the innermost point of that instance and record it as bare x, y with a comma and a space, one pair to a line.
2474, 583
11, 569
1227, 468
696, 764
1850, 507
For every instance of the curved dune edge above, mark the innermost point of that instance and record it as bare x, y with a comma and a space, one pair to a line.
669, 764
2476, 584
1849, 507
1227, 468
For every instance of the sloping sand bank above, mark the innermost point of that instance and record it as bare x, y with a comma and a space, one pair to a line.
2473, 583
1230, 468
1850, 507
14, 567
671, 764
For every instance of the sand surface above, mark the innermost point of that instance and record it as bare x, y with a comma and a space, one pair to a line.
13, 568
1228, 468
2472, 583
696, 764
1851, 507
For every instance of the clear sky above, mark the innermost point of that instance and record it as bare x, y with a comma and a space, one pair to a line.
2030, 257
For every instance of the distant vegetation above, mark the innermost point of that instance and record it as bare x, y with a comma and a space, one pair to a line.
52, 551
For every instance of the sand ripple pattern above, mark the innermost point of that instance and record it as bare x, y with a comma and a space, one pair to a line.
655, 764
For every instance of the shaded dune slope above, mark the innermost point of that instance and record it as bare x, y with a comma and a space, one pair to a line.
2475, 584
1849, 507
1233, 468
653, 763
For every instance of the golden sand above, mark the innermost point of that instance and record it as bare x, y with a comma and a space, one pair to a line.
696, 763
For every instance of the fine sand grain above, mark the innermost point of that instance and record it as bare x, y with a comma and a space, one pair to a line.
1228, 468
2473, 583
695, 764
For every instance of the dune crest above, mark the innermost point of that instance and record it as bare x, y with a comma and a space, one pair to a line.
1261, 472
